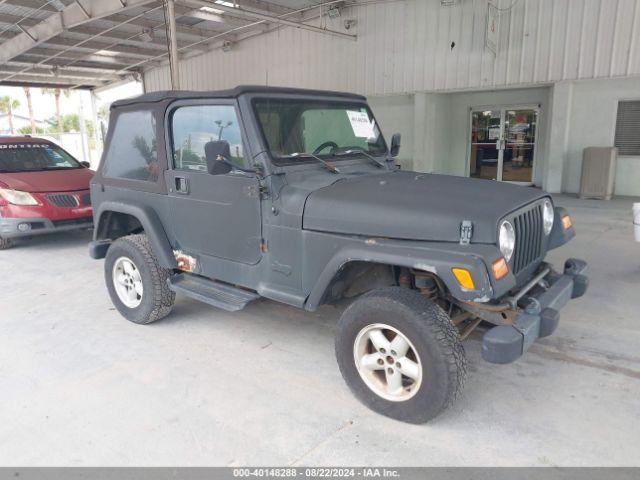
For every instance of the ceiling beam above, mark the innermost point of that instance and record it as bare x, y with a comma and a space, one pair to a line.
61, 43
120, 32
85, 59
71, 16
56, 69
27, 79
282, 19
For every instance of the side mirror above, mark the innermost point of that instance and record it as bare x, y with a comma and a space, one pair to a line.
214, 153
85, 164
395, 145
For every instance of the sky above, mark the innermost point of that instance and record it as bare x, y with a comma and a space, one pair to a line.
44, 106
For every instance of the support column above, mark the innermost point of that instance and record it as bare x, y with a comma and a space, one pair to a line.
430, 119
83, 130
174, 62
419, 154
558, 135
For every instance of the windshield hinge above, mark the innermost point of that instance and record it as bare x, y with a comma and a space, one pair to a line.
466, 232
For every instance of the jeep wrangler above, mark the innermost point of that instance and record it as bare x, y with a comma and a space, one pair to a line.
293, 195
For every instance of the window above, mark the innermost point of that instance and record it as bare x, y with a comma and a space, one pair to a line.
194, 126
628, 128
292, 128
132, 151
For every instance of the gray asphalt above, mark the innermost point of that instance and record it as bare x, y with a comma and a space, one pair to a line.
79, 385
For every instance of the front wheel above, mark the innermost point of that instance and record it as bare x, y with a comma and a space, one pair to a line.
137, 284
400, 354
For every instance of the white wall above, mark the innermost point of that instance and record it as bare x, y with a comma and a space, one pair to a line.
438, 125
573, 116
591, 123
406, 46
394, 114
458, 131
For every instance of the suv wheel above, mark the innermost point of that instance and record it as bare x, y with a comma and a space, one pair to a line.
136, 282
400, 354
5, 243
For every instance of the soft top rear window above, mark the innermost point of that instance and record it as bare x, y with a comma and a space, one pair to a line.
34, 157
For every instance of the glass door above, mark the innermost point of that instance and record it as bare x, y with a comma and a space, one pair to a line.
503, 144
486, 132
520, 127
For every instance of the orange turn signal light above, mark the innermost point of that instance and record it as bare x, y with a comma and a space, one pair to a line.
500, 268
566, 222
464, 278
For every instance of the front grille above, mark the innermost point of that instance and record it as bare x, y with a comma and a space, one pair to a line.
529, 238
72, 221
62, 200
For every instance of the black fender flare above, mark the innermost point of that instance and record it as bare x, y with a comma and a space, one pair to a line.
152, 228
438, 261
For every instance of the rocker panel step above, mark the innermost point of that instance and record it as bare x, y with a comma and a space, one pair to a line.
221, 295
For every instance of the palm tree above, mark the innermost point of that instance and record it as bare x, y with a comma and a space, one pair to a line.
8, 105
27, 92
56, 92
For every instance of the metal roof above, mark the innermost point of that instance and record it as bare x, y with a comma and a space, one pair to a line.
92, 43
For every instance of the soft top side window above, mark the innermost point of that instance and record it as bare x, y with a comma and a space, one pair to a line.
132, 152
193, 126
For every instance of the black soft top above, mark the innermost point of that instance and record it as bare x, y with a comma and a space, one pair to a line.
164, 95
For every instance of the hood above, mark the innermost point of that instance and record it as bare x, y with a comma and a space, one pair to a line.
414, 206
48, 181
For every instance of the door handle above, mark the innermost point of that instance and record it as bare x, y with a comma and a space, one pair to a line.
182, 185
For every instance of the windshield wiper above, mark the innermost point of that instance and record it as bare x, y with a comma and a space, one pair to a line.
351, 151
328, 165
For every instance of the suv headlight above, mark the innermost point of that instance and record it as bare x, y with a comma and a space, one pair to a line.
507, 240
547, 216
16, 197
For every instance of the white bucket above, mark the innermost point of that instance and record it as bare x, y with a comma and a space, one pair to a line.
636, 221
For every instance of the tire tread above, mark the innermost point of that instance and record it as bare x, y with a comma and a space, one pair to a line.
427, 317
162, 297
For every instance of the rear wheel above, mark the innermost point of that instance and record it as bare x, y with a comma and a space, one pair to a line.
5, 243
137, 284
400, 354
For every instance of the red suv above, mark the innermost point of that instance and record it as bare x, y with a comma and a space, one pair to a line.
43, 189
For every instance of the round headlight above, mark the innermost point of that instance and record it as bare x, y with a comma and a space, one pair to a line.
507, 240
547, 216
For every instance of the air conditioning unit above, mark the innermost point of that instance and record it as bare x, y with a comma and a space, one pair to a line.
598, 172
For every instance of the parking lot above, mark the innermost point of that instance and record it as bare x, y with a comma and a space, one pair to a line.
82, 386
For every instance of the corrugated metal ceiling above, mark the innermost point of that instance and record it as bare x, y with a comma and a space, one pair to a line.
118, 44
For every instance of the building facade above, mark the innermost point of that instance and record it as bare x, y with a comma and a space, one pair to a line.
511, 89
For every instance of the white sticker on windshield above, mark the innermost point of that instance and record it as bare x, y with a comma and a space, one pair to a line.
361, 125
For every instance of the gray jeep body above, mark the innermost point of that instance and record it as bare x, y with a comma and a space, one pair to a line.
303, 236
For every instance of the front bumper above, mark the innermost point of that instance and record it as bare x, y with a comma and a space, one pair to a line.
25, 227
545, 297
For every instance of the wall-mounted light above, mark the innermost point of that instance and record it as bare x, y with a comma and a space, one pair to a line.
350, 23
227, 46
146, 35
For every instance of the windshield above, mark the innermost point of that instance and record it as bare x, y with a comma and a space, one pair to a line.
34, 157
324, 128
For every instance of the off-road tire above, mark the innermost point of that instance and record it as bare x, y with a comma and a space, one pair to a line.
434, 336
5, 243
157, 298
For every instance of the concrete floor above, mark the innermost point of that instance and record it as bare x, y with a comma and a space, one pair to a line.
79, 385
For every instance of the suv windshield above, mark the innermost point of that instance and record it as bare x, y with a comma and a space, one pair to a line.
34, 157
321, 127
